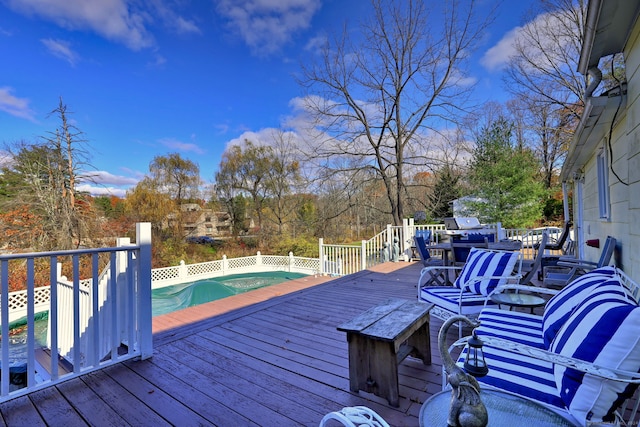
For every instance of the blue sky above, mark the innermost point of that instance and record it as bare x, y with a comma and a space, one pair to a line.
147, 78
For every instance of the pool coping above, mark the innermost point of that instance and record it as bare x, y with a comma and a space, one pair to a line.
165, 322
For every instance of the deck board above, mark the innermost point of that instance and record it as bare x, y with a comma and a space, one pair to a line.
274, 358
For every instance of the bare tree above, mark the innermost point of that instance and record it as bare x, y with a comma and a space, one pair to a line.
378, 100
282, 178
543, 76
45, 176
545, 129
544, 66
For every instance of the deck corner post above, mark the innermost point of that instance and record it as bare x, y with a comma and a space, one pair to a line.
143, 240
321, 256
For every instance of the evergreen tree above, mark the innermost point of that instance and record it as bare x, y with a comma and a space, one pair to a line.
503, 179
446, 189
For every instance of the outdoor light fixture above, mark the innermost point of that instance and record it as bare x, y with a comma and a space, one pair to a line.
474, 363
466, 408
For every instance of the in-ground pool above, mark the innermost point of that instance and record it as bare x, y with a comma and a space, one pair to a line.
176, 297
163, 300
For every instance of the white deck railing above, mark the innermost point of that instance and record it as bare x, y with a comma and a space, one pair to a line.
348, 259
86, 311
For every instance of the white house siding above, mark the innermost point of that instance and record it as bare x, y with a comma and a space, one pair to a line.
624, 221
631, 235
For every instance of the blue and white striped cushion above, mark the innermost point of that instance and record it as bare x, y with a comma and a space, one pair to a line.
520, 374
515, 326
483, 263
455, 301
602, 330
559, 308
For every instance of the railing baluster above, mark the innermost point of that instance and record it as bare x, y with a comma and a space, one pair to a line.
113, 298
31, 334
95, 305
75, 262
131, 306
53, 315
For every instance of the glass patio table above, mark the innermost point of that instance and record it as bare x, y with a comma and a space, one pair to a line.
522, 300
503, 408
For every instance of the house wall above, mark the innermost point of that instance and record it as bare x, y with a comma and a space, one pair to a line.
631, 254
624, 222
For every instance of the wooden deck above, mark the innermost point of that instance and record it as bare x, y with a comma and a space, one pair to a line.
278, 361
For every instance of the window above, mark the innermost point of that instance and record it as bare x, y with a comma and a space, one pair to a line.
602, 163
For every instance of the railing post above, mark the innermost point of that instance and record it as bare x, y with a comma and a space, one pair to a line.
225, 264
143, 240
321, 255
363, 258
183, 270
258, 258
122, 265
499, 231
291, 262
407, 226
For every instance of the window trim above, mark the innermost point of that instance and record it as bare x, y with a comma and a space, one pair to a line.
602, 166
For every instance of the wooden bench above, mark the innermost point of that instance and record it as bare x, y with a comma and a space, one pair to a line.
380, 339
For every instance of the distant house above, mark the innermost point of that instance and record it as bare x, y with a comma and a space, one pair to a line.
199, 221
603, 162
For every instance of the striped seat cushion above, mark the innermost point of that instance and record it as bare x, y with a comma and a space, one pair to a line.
603, 330
519, 374
559, 308
453, 300
484, 263
514, 326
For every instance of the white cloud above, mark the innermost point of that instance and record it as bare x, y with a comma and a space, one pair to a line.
316, 44
498, 56
61, 49
184, 26
549, 29
158, 61
175, 144
266, 25
115, 20
462, 80
6, 159
107, 178
103, 183
18, 107
101, 191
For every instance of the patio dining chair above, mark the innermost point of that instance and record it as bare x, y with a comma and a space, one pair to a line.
570, 268
423, 251
484, 270
460, 249
564, 243
524, 285
537, 261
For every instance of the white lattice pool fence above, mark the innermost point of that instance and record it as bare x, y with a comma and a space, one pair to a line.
161, 277
167, 276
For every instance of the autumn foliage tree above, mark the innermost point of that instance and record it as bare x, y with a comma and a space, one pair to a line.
42, 178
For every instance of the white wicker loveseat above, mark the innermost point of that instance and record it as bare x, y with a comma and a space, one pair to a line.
580, 358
